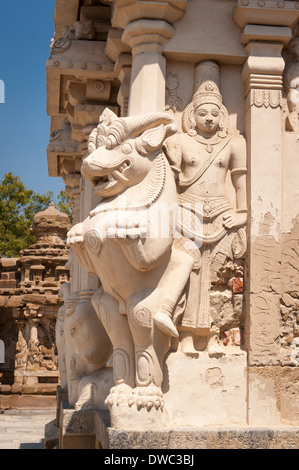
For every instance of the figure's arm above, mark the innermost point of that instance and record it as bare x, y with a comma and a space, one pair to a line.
238, 167
173, 151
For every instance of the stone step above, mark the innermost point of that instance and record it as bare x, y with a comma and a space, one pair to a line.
24, 429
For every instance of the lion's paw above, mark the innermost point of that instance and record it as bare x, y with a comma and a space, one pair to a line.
118, 395
147, 397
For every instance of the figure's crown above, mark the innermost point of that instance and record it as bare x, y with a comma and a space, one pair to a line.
206, 84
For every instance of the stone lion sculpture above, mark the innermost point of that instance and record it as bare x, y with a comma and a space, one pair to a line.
127, 240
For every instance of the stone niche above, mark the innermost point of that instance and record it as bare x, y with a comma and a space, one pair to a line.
179, 326
30, 300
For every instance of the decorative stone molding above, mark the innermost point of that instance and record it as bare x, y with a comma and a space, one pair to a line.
80, 65
266, 98
266, 12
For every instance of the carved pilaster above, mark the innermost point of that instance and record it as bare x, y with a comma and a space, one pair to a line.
147, 29
263, 84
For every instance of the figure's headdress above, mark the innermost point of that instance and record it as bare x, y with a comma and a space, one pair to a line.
206, 90
206, 84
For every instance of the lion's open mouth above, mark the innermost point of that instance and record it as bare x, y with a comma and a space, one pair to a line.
112, 177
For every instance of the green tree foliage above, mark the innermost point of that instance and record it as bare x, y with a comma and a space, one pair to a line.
64, 204
18, 206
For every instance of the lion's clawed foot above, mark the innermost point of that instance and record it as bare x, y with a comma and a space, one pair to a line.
75, 236
118, 395
147, 397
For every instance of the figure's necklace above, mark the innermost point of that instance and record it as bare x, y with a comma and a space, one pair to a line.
209, 142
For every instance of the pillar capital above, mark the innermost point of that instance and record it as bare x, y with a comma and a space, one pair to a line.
147, 35
262, 73
126, 11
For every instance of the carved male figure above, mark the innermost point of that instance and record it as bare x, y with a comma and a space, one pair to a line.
201, 156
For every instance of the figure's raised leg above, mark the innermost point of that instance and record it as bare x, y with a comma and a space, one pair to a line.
151, 346
117, 328
170, 289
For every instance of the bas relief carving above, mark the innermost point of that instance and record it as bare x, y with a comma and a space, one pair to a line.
201, 157
164, 231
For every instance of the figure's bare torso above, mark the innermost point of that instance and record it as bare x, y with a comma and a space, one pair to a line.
194, 155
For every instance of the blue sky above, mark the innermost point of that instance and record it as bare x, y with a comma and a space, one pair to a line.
26, 29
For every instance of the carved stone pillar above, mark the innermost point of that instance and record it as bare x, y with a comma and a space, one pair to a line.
262, 77
147, 38
147, 28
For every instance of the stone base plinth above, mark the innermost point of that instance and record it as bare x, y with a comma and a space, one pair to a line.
207, 438
200, 390
89, 429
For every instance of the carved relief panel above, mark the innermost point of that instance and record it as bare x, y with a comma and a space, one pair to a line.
205, 155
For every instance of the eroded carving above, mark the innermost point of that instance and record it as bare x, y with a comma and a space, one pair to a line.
174, 102
78, 30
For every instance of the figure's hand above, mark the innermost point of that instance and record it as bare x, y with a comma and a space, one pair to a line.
235, 220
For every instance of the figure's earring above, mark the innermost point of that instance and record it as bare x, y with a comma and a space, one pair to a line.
221, 131
189, 124
223, 124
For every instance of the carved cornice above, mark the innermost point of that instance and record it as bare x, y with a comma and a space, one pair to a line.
266, 12
81, 65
